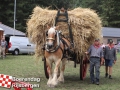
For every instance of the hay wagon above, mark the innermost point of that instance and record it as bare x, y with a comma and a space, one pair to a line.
80, 25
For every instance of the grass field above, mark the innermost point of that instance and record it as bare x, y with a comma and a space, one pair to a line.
24, 66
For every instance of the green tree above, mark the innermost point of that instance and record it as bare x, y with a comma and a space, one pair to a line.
24, 9
6, 12
110, 13
109, 10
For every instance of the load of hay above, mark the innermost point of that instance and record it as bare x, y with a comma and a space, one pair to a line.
85, 24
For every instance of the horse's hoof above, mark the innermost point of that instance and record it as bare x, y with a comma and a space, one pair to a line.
51, 86
60, 80
53, 83
48, 85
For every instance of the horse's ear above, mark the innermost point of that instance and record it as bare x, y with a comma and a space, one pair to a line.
57, 28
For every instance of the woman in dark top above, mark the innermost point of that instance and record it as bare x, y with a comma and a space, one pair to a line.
110, 58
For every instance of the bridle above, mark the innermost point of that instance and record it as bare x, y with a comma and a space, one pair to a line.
59, 39
51, 39
58, 34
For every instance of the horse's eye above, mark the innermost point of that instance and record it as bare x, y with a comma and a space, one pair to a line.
54, 33
46, 33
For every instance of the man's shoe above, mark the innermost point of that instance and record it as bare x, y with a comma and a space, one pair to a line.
97, 83
92, 82
110, 77
106, 75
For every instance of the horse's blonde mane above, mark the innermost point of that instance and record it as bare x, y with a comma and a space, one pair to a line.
51, 30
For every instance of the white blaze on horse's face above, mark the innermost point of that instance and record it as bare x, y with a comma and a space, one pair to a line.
51, 37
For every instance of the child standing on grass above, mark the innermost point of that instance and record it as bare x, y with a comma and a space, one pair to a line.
110, 58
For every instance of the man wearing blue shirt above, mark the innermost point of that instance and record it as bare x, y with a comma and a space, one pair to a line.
96, 59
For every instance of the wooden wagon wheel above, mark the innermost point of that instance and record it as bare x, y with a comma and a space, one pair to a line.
83, 67
46, 69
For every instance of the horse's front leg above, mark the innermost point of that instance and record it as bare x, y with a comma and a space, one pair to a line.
54, 81
61, 77
49, 69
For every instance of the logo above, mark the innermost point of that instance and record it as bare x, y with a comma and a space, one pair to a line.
5, 81
9, 81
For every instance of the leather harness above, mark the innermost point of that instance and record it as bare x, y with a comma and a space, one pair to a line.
65, 20
62, 40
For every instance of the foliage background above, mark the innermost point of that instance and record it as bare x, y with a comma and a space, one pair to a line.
108, 10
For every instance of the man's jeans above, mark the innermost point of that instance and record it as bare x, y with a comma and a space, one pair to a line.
94, 62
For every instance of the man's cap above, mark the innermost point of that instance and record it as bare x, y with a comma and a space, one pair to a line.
97, 39
111, 41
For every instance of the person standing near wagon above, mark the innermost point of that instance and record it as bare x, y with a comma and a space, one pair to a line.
110, 58
96, 59
3, 46
0, 49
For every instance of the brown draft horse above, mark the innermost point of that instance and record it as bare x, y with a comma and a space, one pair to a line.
54, 52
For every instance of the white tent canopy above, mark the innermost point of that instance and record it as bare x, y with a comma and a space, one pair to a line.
10, 31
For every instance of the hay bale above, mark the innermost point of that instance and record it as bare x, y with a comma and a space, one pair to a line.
85, 24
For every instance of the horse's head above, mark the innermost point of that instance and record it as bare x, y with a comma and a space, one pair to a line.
51, 37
